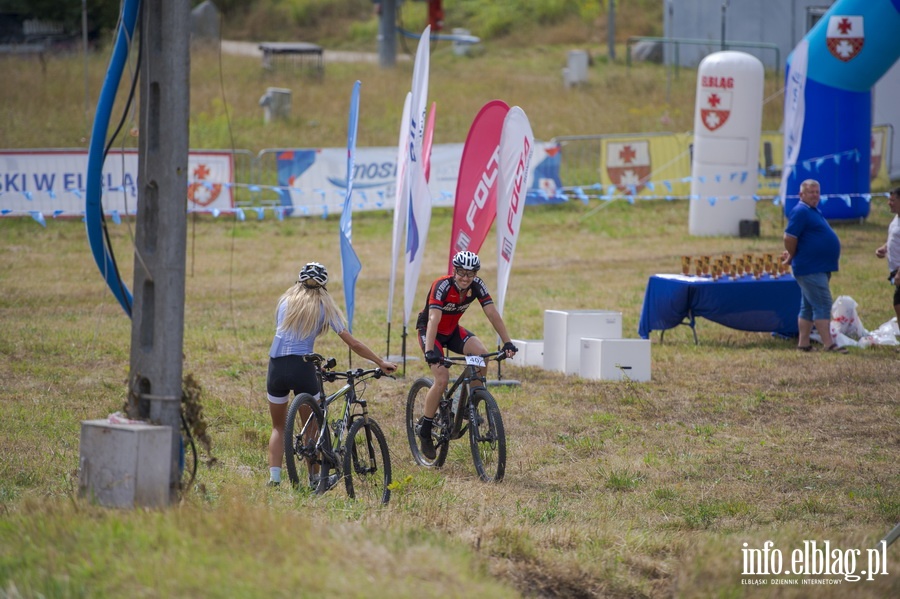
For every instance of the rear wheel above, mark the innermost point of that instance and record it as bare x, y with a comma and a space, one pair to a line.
301, 429
415, 409
486, 436
367, 463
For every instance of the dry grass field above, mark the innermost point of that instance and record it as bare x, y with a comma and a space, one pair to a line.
613, 489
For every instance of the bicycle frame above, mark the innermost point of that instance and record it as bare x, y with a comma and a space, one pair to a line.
464, 383
351, 445
342, 424
476, 406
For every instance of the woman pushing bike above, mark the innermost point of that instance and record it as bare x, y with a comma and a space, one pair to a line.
305, 311
438, 330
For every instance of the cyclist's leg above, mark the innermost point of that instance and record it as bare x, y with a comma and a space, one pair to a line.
473, 346
439, 374
285, 374
278, 412
278, 393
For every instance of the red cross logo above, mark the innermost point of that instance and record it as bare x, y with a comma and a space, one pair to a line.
201, 172
627, 154
846, 36
714, 100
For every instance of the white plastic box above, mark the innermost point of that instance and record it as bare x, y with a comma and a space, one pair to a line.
564, 329
531, 352
125, 465
615, 359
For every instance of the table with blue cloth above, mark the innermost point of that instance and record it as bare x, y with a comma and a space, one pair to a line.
766, 304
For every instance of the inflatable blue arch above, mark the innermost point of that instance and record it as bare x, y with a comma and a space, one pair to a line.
849, 50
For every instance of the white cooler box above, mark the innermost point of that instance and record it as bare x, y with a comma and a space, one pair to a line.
615, 359
564, 329
531, 352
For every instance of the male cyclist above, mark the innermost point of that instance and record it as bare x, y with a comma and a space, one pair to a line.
438, 330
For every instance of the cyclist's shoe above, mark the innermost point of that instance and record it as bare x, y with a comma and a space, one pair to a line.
332, 480
273, 483
329, 483
426, 445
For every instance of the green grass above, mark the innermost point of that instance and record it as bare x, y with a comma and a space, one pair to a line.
612, 489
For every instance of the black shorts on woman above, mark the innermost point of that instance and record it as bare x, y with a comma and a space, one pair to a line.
291, 373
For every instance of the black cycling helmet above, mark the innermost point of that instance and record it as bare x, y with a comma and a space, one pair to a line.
468, 260
314, 272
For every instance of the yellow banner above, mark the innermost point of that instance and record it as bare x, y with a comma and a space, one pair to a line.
659, 165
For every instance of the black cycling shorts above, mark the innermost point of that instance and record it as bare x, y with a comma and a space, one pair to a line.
290, 373
455, 341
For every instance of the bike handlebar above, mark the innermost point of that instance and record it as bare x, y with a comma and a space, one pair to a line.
358, 374
495, 356
326, 364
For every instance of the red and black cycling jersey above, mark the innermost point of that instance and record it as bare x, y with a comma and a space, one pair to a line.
446, 297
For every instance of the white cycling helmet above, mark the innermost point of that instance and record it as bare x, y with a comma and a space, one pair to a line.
314, 272
466, 259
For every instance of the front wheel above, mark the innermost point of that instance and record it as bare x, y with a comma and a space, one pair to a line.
367, 463
415, 409
486, 436
301, 431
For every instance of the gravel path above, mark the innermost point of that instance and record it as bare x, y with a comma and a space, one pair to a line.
252, 49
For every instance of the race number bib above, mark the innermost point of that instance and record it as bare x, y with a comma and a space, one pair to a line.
475, 361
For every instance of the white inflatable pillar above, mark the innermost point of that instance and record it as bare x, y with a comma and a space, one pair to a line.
727, 128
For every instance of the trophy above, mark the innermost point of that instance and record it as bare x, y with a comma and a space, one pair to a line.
685, 265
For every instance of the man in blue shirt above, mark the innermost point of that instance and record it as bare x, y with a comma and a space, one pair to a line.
813, 250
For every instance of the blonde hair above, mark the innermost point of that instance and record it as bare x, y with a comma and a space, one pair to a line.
304, 307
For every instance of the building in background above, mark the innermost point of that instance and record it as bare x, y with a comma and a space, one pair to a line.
782, 23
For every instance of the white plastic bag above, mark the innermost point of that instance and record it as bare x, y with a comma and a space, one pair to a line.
845, 319
886, 334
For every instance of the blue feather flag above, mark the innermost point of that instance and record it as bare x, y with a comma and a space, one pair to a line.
350, 264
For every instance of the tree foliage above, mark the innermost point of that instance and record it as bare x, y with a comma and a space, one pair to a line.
102, 15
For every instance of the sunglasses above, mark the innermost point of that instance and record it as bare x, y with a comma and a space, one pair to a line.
467, 274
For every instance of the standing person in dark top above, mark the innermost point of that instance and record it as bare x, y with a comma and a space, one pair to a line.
812, 249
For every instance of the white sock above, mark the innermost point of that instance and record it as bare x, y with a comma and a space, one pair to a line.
275, 474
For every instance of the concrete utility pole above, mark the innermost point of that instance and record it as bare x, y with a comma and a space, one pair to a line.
611, 30
157, 327
724, 11
84, 46
387, 34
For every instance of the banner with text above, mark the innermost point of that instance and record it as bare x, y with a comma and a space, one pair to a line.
52, 182
314, 181
310, 181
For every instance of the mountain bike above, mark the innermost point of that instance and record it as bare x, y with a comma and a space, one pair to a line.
462, 408
327, 443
